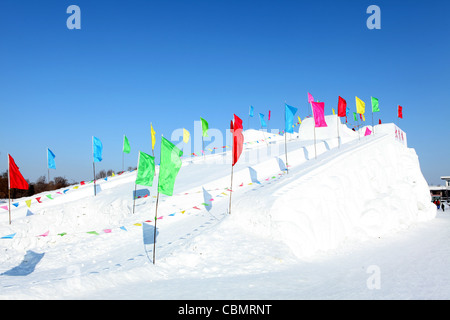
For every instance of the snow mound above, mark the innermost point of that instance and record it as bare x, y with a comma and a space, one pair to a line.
252, 135
366, 191
306, 130
75, 244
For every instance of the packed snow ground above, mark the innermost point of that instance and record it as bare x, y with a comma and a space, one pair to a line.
355, 223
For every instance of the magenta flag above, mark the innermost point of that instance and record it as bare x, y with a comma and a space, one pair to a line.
310, 98
368, 132
318, 109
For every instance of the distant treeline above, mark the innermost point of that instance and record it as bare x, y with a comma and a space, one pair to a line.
42, 185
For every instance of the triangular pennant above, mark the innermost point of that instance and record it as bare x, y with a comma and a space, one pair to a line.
10, 236
44, 234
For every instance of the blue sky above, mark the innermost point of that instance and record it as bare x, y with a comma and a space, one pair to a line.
171, 62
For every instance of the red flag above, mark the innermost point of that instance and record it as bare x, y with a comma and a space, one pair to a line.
16, 180
400, 112
238, 139
268, 119
342, 107
379, 121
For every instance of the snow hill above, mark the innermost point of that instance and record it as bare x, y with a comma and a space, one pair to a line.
70, 244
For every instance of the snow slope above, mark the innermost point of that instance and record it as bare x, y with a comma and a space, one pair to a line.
80, 246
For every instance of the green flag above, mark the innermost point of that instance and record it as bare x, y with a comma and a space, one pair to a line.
355, 117
126, 145
375, 106
204, 127
146, 169
169, 166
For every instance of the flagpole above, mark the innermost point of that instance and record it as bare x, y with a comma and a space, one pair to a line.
9, 190
123, 168
93, 166
372, 122
232, 157
337, 123
95, 188
315, 148
48, 169
154, 232
203, 147
285, 138
359, 133
231, 187
134, 197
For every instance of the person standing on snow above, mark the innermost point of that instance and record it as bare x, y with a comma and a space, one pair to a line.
442, 206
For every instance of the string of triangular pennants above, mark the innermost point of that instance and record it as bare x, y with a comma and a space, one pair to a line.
51, 196
245, 143
139, 224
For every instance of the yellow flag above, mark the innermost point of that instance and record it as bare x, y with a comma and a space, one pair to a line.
334, 112
299, 120
186, 136
28, 202
153, 136
363, 118
360, 106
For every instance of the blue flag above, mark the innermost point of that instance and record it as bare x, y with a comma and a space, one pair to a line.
263, 123
97, 148
51, 159
251, 111
289, 118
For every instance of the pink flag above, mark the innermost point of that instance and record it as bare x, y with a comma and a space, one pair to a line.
318, 109
310, 98
368, 132
268, 119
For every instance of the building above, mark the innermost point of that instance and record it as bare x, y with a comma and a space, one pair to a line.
441, 192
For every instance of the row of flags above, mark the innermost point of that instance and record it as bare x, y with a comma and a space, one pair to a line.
261, 117
170, 154
318, 109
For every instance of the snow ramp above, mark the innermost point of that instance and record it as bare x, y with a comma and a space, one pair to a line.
369, 187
